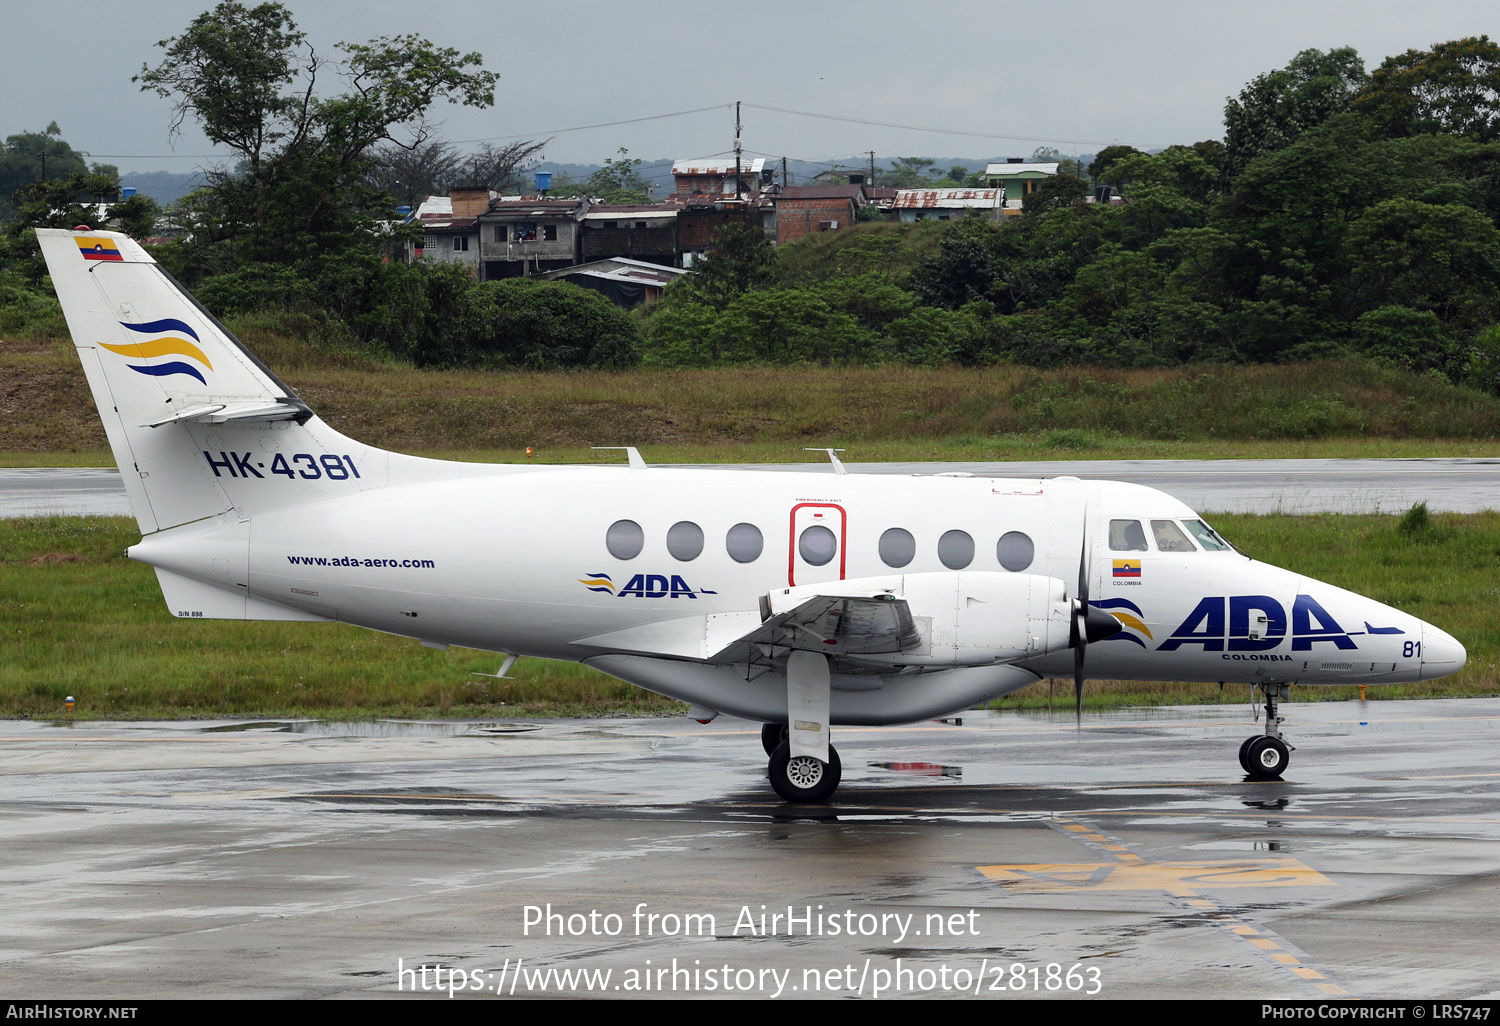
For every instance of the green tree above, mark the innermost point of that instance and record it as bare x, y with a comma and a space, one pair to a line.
67, 202
1442, 259
249, 78
1275, 108
549, 325
1099, 169
909, 173
789, 326
965, 267
1453, 88
28, 157
1059, 190
619, 181
741, 260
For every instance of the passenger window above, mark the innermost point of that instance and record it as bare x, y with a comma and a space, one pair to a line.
956, 549
1015, 551
624, 539
685, 540
1169, 537
744, 543
817, 545
897, 547
1207, 536
1127, 536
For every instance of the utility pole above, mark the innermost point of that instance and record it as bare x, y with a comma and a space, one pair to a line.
872, 167
736, 149
783, 172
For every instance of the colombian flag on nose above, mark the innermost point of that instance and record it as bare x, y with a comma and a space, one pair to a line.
97, 249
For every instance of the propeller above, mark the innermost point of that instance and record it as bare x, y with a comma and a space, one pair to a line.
1089, 624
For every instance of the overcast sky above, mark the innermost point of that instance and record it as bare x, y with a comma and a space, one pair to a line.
1071, 73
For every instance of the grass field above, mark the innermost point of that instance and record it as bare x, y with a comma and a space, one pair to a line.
768, 414
79, 619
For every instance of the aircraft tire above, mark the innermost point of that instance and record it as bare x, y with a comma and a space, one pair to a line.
1245, 751
771, 735
804, 779
1268, 758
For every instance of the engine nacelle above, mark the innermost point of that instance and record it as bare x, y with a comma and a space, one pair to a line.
958, 618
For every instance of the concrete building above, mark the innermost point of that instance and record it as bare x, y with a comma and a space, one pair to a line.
526, 235
1019, 179
636, 231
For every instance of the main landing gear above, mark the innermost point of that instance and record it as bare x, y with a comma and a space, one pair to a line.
804, 767
1265, 756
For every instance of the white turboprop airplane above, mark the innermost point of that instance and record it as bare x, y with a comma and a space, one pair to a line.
796, 600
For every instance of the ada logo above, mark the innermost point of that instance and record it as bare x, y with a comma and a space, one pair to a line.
644, 586
1256, 623
1130, 616
167, 341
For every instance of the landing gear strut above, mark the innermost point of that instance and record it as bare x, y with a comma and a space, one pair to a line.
1265, 756
804, 767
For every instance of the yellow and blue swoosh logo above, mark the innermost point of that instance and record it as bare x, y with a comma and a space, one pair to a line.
169, 342
1130, 616
598, 582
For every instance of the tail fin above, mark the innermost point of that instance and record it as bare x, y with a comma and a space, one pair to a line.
198, 425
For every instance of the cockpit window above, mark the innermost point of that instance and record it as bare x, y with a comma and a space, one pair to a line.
1207, 536
1169, 537
1126, 536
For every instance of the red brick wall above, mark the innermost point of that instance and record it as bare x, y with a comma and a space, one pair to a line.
798, 217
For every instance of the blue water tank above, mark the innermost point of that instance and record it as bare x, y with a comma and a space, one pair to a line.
404, 211
128, 191
543, 181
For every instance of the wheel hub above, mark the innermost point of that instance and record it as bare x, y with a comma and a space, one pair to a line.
804, 771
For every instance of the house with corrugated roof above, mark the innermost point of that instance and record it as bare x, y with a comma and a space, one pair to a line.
624, 282
720, 176
947, 204
1019, 179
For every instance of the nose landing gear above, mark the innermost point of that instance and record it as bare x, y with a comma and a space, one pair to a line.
1266, 756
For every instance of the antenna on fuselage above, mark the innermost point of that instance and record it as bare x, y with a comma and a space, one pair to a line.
630, 451
838, 468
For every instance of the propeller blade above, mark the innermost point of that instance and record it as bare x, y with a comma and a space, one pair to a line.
1081, 620
1078, 684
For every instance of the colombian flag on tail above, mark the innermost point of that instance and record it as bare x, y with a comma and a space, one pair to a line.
97, 249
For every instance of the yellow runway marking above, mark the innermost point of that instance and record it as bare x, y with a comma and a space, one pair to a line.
1176, 877
1126, 871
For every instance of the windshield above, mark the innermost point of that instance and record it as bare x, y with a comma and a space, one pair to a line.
1207, 536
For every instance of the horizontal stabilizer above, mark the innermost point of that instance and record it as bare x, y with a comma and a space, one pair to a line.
250, 412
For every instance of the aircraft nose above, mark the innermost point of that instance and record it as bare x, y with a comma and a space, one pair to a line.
1441, 653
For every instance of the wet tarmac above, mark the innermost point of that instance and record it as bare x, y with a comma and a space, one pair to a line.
1004, 856
1209, 486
